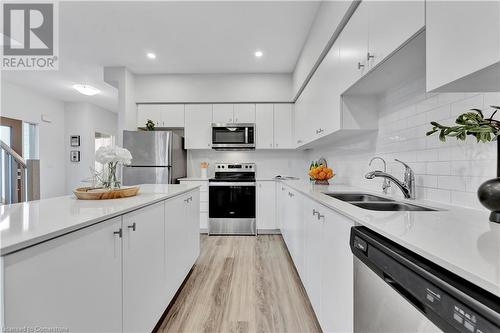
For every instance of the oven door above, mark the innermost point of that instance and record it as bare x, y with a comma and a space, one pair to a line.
232, 208
233, 136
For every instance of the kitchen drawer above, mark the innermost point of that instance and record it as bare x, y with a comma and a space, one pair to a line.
204, 220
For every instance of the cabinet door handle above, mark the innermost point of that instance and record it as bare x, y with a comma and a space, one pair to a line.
315, 212
369, 56
119, 233
320, 216
132, 226
360, 65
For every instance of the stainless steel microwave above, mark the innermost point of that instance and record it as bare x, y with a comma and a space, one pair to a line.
233, 136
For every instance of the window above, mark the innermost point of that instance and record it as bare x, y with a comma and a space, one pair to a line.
29, 141
5, 136
101, 140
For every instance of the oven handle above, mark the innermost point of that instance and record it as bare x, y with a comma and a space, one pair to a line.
231, 184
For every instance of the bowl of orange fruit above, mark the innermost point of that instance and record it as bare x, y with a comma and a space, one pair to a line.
320, 173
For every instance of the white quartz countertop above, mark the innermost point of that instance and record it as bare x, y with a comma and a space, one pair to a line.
28, 223
461, 240
194, 179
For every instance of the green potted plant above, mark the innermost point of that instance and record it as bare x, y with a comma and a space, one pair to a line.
150, 125
474, 123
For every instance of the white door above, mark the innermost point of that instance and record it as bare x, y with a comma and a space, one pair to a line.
313, 221
172, 115
391, 23
264, 121
283, 126
337, 274
73, 281
244, 113
143, 268
193, 228
198, 130
353, 44
266, 205
223, 113
147, 112
175, 244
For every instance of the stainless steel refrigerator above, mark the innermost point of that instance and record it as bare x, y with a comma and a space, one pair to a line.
158, 157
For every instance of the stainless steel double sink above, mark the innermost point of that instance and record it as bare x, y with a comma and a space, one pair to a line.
374, 202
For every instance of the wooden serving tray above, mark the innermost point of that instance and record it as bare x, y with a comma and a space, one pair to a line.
91, 193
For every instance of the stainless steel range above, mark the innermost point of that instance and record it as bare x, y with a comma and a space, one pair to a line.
232, 200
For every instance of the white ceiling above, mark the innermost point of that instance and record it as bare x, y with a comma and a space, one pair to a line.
187, 37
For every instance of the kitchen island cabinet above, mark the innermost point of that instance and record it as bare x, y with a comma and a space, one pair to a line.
115, 275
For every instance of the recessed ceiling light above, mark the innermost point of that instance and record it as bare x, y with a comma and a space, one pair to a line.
86, 89
151, 55
259, 54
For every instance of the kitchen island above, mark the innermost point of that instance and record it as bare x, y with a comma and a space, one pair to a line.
106, 266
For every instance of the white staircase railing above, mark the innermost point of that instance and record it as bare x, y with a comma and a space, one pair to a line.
19, 178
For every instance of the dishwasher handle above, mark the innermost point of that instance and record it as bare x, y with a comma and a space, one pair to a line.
403, 292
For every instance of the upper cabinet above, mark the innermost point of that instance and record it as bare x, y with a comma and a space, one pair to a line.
390, 24
223, 113
234, 113
198, 128
264, 121
274, 125
325, 111
244, 113
163, 115
463, 46
283, 117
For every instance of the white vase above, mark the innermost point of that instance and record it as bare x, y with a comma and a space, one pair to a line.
204, 173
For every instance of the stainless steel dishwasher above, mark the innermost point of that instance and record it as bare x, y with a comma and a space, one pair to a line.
396, 290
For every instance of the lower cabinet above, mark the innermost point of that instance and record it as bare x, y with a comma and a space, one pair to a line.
143, 268
318, 241
115, 276
266, 206
70, 282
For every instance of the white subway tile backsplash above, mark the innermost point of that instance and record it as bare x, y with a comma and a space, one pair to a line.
438, 168
451, 183
447, 172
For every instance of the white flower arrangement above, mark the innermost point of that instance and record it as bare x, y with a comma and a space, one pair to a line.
113, 154
110, 157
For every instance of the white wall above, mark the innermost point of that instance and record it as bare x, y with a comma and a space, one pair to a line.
213, 88
123, 80
447, 172
329, 15
24, 104
85, 119
270, 163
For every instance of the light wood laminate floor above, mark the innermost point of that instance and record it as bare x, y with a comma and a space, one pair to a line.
242, 284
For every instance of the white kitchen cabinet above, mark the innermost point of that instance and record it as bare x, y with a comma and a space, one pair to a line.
283, 121
182, 240
203, 206
391, 23
147, 112
172, 115
244, 113
313, 221
223, 113
280, 207
163, 115
294, 226
337, 287
74, 281
198, 130
353, 44
143, 268
266, 206
462, 38
264, 123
